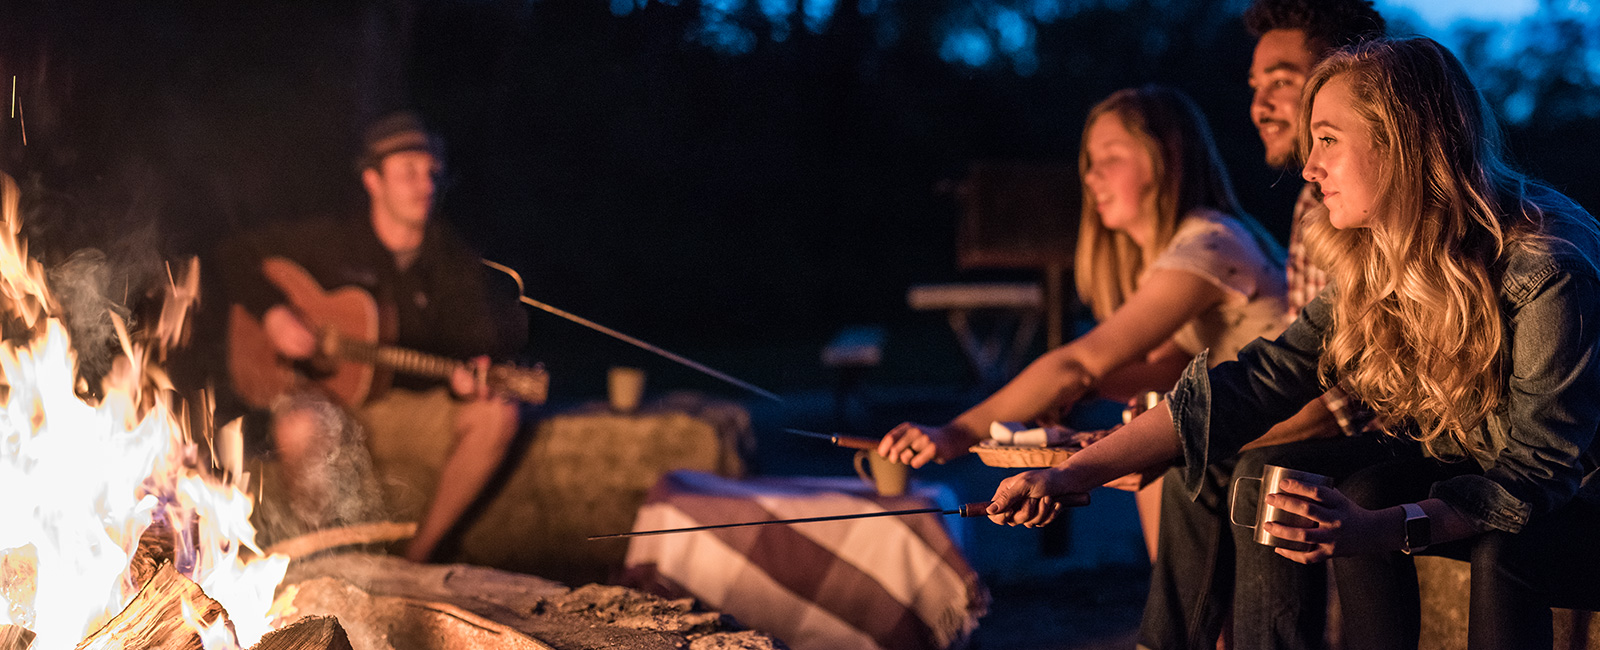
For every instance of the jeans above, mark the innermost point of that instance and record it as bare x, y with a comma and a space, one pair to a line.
1516, 577
1205, 566
1191, 580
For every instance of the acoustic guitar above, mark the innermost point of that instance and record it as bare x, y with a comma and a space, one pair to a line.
348, 350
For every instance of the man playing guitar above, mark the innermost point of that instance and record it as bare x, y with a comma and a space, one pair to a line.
429, 291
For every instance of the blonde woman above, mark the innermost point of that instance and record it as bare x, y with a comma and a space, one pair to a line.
1166, 260
1465, 314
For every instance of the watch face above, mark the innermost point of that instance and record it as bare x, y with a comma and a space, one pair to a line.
1419, 533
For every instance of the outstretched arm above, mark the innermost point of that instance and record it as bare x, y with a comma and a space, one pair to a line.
1031, 498
1165, 301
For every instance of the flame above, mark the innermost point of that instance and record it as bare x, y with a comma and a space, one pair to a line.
283, 609
242, 587
83, 479
214, 635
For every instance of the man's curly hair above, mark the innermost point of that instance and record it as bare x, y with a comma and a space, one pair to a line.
1327, 24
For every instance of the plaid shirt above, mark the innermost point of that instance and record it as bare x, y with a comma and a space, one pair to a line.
1305, 282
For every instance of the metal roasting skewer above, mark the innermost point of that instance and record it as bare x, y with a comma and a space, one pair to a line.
978, 509
624, 337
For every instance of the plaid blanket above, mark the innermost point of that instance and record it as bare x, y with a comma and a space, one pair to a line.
888, 582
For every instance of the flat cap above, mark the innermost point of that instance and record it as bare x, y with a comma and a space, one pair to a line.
394, 133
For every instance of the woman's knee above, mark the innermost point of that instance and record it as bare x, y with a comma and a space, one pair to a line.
1390, 483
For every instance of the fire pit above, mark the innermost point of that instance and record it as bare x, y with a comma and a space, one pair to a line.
89, 470
386, 602
125, 528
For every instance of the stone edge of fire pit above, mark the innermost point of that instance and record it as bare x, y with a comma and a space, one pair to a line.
548, 612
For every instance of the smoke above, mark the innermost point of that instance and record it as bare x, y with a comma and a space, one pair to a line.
102, 248
80, 285
337, 487
345, 475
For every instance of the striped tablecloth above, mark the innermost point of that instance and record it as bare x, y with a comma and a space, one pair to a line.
887, 582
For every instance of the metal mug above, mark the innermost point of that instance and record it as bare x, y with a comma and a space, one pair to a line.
1271, 476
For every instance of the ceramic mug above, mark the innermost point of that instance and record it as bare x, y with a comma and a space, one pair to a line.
624, 388
888, 477
1271, 476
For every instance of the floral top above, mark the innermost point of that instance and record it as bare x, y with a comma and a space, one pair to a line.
1246, 264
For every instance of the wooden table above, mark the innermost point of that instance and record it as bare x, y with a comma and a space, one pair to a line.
994, 354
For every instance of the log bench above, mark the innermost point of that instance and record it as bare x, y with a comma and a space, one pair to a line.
581, 471
1444, 584
587, 471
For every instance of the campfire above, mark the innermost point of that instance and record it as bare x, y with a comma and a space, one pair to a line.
123, 527
117, 533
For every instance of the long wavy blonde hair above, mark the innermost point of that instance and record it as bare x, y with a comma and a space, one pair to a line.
1188, 174
1417, 332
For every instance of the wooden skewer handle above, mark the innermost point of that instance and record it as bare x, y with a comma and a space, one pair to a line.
974, 509
856, 442
980, 508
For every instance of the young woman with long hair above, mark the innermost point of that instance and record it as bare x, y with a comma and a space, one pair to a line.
1166, 260
1464, 310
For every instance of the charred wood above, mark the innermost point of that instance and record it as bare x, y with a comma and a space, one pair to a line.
15, 637
155, 548
310, 633
154, 619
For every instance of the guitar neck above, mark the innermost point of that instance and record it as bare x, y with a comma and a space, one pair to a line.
402, 360
529, 385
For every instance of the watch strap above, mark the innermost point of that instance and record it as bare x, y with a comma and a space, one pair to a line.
1418, 531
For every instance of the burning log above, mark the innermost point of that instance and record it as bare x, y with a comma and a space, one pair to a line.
310, 633
13, 637
89, 458
155, 549
154, 620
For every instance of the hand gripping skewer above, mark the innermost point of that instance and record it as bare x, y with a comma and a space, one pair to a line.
846, 441
522, 295
978, 509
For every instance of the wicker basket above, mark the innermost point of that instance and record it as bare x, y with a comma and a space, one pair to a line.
997, 455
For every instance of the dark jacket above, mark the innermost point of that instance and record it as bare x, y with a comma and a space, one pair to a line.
1540, 438
437, 305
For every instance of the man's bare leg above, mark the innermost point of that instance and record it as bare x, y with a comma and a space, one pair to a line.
484, 430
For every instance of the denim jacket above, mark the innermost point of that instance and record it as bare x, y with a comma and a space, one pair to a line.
1540, 437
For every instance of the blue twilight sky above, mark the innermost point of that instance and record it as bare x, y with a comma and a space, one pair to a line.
1521, 47
1439, 14
1006, 26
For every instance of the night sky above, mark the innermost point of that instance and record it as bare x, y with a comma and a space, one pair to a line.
708, 191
